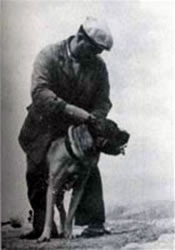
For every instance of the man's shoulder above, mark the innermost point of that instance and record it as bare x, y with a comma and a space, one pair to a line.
100, 63
51, 51
53, 47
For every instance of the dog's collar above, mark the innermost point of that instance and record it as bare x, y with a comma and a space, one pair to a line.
69, 143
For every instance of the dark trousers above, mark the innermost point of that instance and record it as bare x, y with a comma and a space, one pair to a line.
36, 177
90, 209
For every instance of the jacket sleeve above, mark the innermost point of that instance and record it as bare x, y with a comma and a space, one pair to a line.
101, 103
44, 99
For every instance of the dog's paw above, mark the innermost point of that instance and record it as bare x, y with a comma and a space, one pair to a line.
68, 231
68, 234
43, 238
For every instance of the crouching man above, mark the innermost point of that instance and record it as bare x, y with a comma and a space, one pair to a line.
69, 85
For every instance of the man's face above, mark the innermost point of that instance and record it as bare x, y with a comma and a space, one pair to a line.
84, 50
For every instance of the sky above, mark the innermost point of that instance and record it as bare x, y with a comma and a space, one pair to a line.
140, 67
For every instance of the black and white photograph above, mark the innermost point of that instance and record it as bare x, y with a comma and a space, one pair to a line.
87, 131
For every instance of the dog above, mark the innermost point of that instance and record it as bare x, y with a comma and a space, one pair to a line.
73, 156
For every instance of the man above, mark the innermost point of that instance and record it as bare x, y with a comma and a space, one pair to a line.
69, 85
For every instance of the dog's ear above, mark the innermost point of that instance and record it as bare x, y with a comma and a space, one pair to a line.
82, 138
97, 127
103, 127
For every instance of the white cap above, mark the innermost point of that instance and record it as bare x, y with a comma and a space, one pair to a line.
99, 32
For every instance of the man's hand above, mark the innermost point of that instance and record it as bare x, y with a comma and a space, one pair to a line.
77, 113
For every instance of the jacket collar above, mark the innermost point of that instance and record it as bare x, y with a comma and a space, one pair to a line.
64, 57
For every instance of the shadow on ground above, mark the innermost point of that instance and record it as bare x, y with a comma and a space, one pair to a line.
148, 226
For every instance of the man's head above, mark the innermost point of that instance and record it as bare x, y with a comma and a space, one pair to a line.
92, 38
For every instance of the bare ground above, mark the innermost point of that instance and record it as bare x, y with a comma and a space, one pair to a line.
148, 226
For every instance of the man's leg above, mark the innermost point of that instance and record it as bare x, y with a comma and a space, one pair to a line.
91, 209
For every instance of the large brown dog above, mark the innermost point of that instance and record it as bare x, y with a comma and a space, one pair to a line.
81, 145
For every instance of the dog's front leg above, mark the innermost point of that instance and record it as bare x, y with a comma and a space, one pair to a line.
62, 213
75, 200
56, 180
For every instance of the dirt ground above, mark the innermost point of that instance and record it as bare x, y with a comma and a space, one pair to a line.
144, 227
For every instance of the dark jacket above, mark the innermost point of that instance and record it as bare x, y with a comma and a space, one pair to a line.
53, 85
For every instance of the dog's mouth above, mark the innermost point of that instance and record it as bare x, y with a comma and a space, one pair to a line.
114, 145
122, 148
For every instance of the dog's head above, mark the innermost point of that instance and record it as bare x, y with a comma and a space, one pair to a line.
110, 139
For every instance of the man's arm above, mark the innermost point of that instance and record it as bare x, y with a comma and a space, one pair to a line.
101, 103
44, 99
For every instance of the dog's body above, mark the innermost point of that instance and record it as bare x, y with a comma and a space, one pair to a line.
61, 165
63, 160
